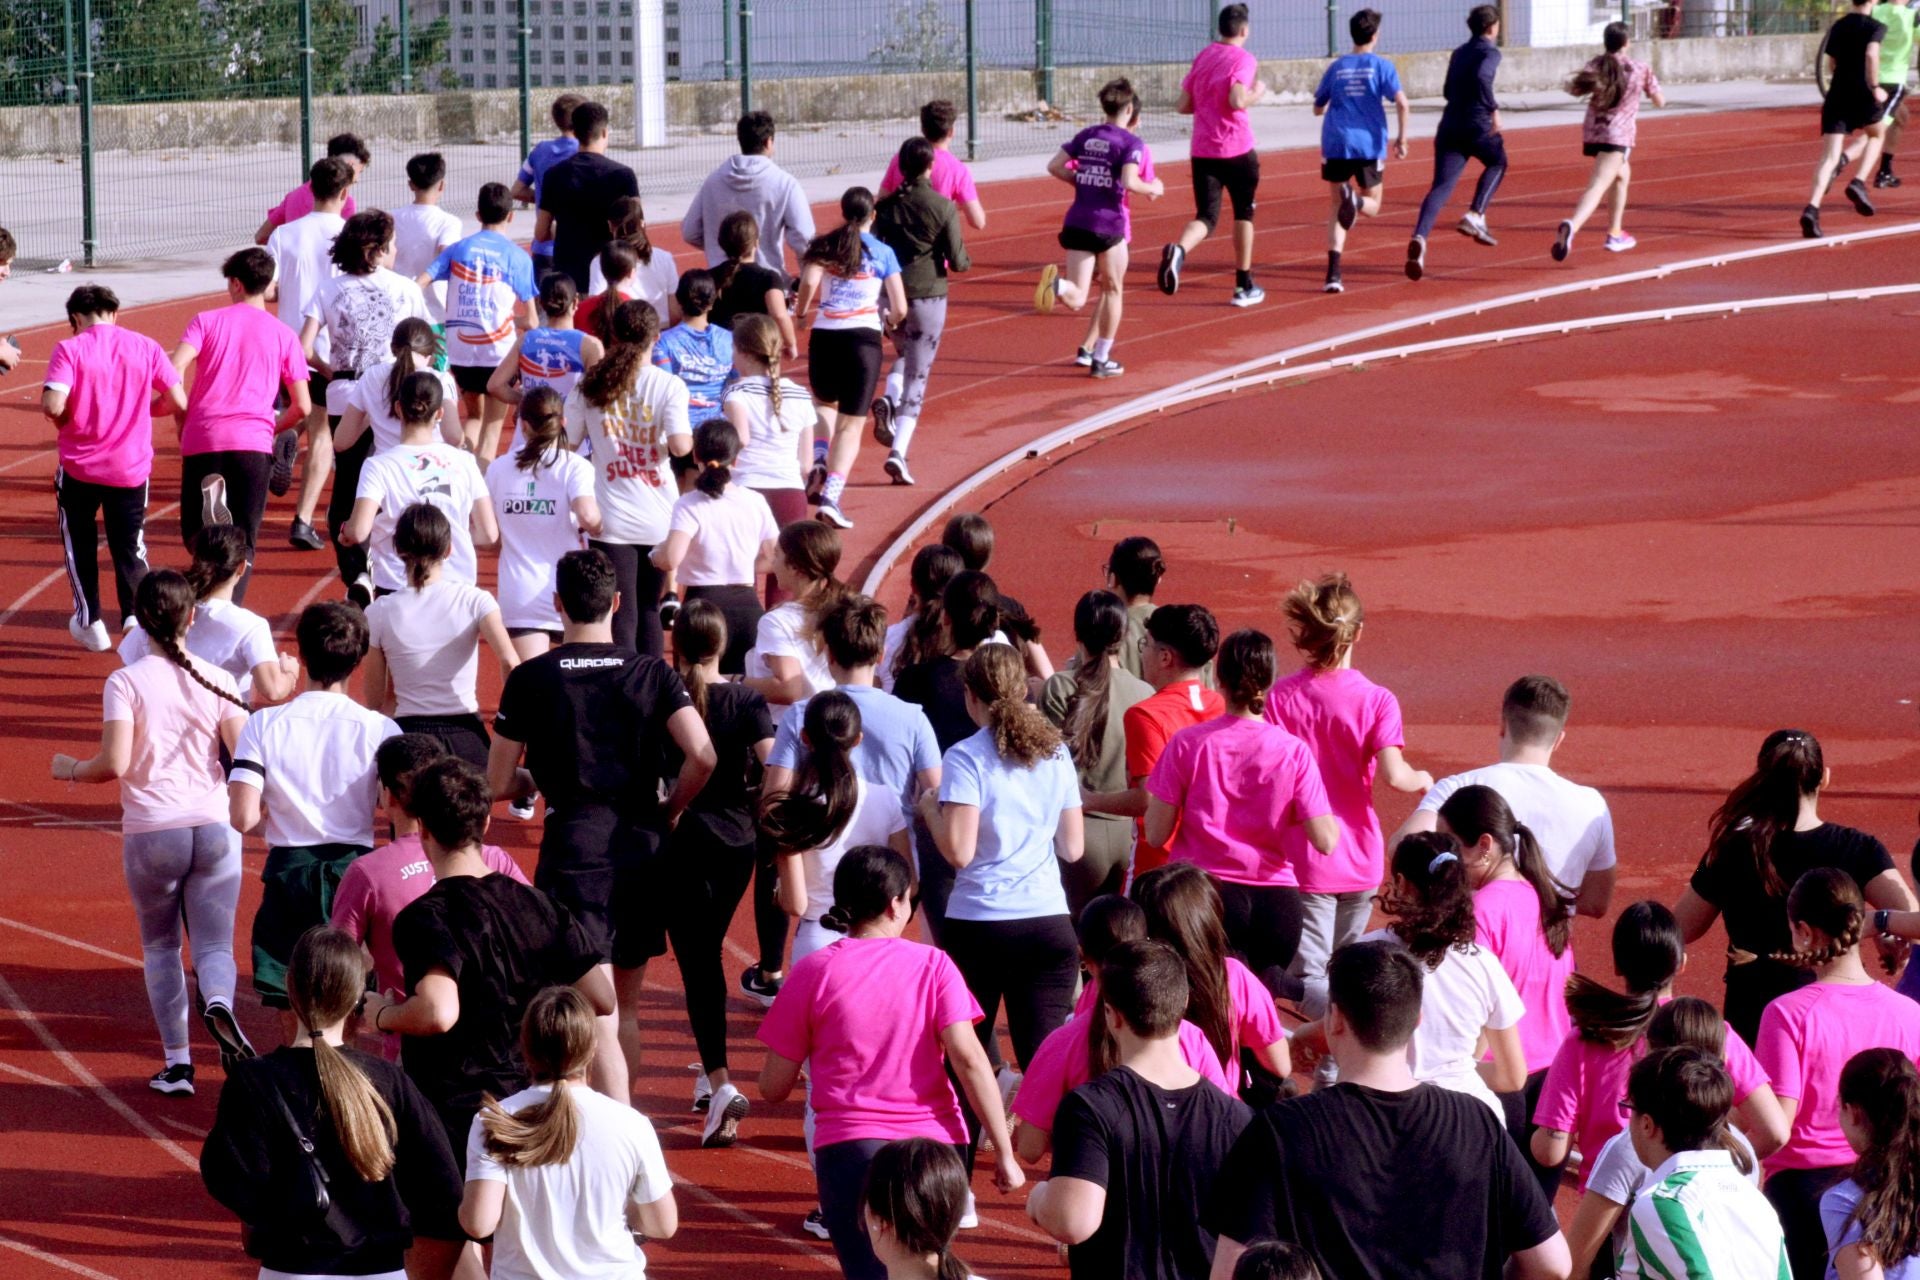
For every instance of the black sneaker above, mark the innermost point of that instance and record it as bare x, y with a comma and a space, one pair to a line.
759, 989
1810, 223
226, 1033
882, 411
815, 1224
1083, 356
360, 591
1172, 258
669, 609
1106, 368
1349, 207
1885, 180
1563, 242
1333, 284
816, 483
1857, 193
305, 536
286, 450
177, 1079
1416, 257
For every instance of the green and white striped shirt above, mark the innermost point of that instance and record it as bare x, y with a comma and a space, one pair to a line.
1699, 1219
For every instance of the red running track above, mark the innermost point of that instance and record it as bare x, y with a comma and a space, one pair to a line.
1507, 505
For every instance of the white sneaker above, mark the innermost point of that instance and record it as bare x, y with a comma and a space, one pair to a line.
213, 501
724, 1114
970, 1216
1009, 1081
896, 469
1474, 227
702, 1088
815, 1224
522, 810
92, 637
830, 513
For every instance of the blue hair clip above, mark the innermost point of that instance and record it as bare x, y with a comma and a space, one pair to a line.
1441, 859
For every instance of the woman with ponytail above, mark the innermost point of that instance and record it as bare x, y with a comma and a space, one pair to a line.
370, 401
788, 662
1873, 1218
636, 417
553, 355
222, 634
1352, 726
829, 810
747, 288
390, 1174
774, 420
543, 498
1766, 835
1580, 1095
1242, 800
1613, 85
697, 351
1087, 702
1232, 1007
884, 1028
654, 276
1525, 917
615, 281
915, 1197
167, 717
711, 854
1005, 818
423, 659
560, 1176
721, 537
1807, 1037
850, 274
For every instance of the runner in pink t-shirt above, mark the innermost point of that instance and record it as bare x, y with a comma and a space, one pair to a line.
1352, 726
298, 203
950, 175
1223, 82
876, 1020
242, 357
103, 385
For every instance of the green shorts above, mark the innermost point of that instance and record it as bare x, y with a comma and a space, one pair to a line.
298, 884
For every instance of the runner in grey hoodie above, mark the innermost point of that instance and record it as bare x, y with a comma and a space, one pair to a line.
753, 182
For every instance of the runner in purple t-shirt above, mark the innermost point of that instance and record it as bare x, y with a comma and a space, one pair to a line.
1223, 82
1103, 164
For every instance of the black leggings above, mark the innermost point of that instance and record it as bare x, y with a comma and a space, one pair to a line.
741, 606
1519, 1106
463, 736
246, 473
1795, 1195
636, 623
1263, 926
1450, 156
706, 877
347, 465
769, 919
1031, 965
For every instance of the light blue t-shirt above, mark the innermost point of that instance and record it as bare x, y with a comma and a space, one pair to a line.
896, 740
1836, 1208
488, 276
1355, 91
853, 302
1014, 874
701, 358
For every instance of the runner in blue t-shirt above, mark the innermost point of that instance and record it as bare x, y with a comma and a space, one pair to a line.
1353, 138
489, 303
545, 155
695, 351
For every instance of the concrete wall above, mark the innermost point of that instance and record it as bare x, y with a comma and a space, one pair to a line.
493, 115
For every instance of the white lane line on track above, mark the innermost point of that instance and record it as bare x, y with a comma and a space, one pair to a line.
726, 1208
64, 940
45, 1082
182, 1126
1234, 376
28, 460
52, 1260
90, 1081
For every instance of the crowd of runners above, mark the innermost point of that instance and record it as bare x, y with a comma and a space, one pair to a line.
1161, 857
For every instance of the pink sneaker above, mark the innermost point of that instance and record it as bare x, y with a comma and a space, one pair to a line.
1620, 243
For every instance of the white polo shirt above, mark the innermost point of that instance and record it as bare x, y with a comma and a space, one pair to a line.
1571, 822
311, 759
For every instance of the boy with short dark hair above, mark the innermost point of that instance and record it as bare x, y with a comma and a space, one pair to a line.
1223, 82
1698, 1215
306, 768
950, 175
423, 230
1353, 139
490, 297
1469, 130
533, 174
350, 151
577, 195
243, 359
1134, 569
102, 387
753, 183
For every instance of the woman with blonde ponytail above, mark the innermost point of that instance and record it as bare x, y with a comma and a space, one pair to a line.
167, 716
559, 1175
389, 1173
1005, 818
775, 420
1807, 1038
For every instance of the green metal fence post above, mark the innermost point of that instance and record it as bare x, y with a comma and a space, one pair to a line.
88, 239
726, 40
526, 82
1333, 28
406, 50
1043, 46
973, 82
746, 56
306, 87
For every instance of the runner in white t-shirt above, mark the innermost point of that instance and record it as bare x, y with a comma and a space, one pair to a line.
369, 402
1570, 821
720, 539
543, 499
490, 296
636, 417
236, 640
788, 663
655, 277
421, 469
422, 229
423, 659
775, 419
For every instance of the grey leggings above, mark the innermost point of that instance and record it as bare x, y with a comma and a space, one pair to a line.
917, 342
190, 874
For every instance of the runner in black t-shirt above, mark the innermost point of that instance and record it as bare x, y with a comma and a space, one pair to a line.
1136, 1151
577, 195
1856, 103
475, 948
597, 724
1379, 1177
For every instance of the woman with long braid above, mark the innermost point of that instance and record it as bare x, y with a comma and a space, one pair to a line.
167, 716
